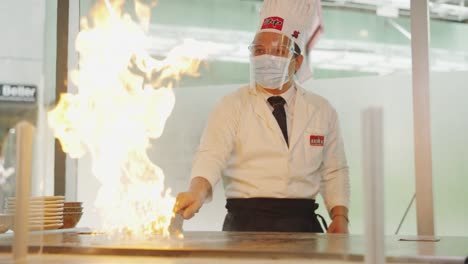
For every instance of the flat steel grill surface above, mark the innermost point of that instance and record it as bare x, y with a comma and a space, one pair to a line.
243, 244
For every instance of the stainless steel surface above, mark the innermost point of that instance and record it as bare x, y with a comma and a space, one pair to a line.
79, 259
245, 245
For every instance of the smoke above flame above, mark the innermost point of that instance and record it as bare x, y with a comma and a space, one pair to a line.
123, 101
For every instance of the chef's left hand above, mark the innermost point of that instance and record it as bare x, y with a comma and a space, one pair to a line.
339, 224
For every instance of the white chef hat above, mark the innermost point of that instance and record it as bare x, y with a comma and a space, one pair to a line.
300, 20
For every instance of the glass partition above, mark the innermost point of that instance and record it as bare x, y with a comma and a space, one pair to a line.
448, 121
449, 153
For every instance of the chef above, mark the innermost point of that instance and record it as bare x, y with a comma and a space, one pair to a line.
275, 145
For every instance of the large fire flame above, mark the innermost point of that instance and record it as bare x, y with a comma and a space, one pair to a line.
123, 101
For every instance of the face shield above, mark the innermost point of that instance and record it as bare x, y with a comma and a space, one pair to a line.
270, 57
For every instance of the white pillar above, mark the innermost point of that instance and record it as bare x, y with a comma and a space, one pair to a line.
24, 141
422, 117
372, 138
71, 166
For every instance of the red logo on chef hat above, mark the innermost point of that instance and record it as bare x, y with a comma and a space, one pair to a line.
316, 140
295, 34
273, 22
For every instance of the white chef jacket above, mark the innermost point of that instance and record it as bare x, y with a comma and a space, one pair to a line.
243, 144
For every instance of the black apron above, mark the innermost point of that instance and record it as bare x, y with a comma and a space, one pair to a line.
273, 215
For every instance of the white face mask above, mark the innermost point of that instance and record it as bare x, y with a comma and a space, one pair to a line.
270, 71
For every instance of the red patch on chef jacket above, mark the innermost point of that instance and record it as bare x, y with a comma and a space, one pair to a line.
273, 22
316, 140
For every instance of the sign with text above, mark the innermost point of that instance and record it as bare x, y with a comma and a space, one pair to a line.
18, 93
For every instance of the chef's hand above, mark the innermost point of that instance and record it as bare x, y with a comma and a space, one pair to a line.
339, 224
189, 203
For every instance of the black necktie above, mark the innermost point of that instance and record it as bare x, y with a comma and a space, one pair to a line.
280, 114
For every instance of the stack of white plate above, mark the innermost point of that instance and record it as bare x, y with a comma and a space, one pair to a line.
45, 212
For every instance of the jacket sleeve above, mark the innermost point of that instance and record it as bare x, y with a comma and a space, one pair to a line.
217, 141
335, 188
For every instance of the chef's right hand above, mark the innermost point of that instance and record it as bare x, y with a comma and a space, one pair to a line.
188, 204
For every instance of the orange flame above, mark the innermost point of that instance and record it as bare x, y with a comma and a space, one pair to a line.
117, 111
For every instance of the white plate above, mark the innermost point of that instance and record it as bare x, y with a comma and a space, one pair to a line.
38, 204
36, 218
45, 227
36, 208
44, 221
46, 214
37, 212
45, 218
48, 211
40, 198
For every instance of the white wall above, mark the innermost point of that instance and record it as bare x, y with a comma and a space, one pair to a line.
27, 42
173, 152
22, 39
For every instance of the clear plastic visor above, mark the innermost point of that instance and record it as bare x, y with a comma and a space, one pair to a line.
269, 43
279, 51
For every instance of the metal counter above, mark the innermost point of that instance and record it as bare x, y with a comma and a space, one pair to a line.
258, 245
